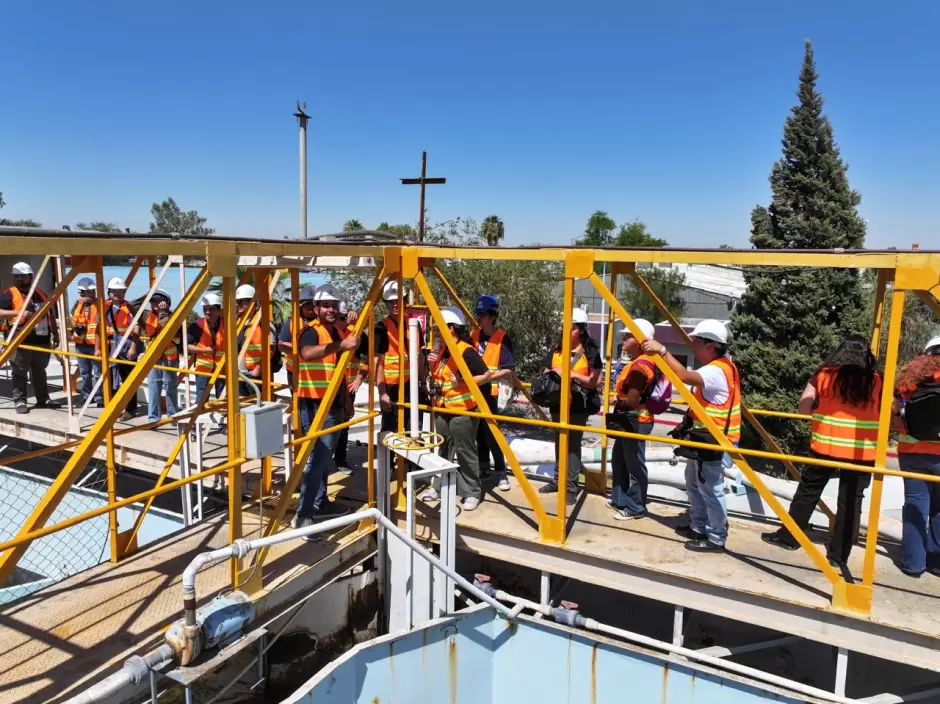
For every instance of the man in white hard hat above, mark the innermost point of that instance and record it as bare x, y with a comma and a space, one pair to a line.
84, 335
206, 339
393, 363
356, 372
717, 386
29, 366
451, 392
633, 412
161, 380
118, 319
320, 349
286, 339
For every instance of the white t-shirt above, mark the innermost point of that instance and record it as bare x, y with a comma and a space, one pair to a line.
716, 384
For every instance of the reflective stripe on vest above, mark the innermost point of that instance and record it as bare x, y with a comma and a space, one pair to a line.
395, 357
492, 350
87, 316
840, 429
150, 331
454, 394
353, 368
288, 356
207, 361
314, 376
648, 371
254, 350
18, 300
728, 412
118, 321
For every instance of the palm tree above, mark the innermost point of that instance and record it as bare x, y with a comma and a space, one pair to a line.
353, 225
492, 230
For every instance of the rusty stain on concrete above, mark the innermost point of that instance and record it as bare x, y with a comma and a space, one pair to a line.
594, 674
665, 692
452, 667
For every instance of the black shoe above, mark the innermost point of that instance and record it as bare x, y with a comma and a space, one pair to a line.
22, 409
571, 498
331, 509
48, 404
913, 575
687, 532
549, 488
704, 545
776, 539
836, 563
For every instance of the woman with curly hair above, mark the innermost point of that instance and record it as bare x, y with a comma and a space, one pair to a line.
920, 536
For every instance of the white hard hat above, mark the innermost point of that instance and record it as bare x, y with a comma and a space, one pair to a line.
23, 269
116, 283
390, 292
326, 292
579, 315
343, 309
934, 342
646, 327
244, 291
453, 316
212, 299
161, 292
714, 330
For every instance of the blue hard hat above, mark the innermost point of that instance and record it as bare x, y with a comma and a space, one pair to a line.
487, 304
307, 294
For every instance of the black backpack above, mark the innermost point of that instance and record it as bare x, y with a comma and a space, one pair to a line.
922, 413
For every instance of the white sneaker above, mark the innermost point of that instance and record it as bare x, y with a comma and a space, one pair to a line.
470, 503
431, 495
503, 484
300, 522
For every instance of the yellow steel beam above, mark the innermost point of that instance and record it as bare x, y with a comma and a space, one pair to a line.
233, 414
931, 299
131, 275
885, 276
554, 529
814, 553
76, 463
294, 349
435, 311
267, 284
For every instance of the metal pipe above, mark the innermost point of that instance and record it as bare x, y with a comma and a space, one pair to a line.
133, 673
414, 333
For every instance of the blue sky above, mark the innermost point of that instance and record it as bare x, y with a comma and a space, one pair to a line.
540, 112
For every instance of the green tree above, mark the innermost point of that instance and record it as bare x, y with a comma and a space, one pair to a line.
353, 225
635, 234
2, 202
667, 284
168, 217
790, 318
492, 231
402, 232
599, 231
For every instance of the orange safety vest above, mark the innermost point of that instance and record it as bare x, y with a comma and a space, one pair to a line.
395, 357
255, 349
18, 301
491, 353
152, 328
314, 375
352, 369
647, 369
454, 394
580, 365
207, 361
117, 322
85, 316
728, 412
841, 430
912, 446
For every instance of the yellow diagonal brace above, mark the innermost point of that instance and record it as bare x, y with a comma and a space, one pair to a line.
435, 310
932, 299
814, 553
76, 463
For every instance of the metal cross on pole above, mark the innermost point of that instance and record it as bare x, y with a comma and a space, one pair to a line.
423, 181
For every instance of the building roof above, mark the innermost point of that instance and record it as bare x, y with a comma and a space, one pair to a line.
723, 280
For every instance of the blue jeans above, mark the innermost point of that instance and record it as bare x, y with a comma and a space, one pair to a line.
920, 535
705, 482
203, 381
630, 477
90, 370
313, 487
157, 380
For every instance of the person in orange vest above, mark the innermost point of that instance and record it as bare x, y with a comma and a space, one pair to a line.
250, 364
28, 365
118, 318
206, 339
717, 387
844, 398
495, 346
920, 533
585, 370
357, 371
286, 337
452, 392
393, 364
628, 457
161, 380
84, 334
320, 348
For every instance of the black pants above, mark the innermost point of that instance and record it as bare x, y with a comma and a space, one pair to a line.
486, 444
852, 487
30, 365
390, 417
125, 371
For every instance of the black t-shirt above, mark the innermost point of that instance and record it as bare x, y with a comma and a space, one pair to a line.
507, 353
194, 331
310, 338
475, 364
6, 303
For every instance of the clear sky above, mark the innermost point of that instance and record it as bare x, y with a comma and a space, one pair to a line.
540, 112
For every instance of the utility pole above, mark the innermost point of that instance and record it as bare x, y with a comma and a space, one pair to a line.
423, 181
302, 118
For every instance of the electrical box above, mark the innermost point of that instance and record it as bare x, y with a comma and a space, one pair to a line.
264, 429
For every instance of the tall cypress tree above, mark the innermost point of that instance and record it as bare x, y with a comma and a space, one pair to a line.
790, 318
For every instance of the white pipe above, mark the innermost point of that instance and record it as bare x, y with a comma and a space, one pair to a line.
719, 663
414, 334
133, 673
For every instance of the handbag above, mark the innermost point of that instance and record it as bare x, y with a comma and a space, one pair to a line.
546, 390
